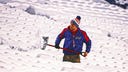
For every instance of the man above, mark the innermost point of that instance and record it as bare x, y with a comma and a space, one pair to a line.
74, 39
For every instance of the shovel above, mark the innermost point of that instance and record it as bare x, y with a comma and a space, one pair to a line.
45, 43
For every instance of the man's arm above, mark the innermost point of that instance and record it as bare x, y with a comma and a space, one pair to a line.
60, 37
87, 41
88, 46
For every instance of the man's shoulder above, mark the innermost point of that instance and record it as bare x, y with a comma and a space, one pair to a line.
82, 31
65, 29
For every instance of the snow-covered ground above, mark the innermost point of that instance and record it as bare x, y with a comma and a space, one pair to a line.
24, 22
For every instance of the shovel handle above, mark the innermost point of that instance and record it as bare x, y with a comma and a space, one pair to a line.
68, 50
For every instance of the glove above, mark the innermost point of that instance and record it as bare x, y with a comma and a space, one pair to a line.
57, 46
85, 54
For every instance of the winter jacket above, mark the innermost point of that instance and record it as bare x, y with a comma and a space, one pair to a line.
74, 40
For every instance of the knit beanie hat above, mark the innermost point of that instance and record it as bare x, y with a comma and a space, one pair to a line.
75, 23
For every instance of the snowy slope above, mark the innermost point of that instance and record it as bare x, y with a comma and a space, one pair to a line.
21, 36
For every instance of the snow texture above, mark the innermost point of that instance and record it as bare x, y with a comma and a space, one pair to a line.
21, 35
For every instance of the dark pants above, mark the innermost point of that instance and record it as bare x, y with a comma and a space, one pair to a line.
71, 58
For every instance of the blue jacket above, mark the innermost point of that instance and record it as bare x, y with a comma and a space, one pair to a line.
74, 41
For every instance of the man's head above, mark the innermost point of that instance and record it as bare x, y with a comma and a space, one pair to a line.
74, 24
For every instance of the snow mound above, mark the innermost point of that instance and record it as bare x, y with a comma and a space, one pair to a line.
19, 29
21, 35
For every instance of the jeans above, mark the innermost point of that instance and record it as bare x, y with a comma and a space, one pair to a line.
71, 58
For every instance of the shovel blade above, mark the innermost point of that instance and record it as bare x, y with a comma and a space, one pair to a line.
45, 42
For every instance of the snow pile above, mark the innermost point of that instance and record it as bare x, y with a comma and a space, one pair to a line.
20, 30
21, 36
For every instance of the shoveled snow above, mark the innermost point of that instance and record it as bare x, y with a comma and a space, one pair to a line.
21, 36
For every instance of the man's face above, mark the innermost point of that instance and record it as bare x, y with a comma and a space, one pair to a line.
73, 27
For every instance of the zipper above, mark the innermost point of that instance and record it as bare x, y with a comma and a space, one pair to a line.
74, 41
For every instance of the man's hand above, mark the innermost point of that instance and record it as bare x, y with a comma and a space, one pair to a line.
85, 54
57, 46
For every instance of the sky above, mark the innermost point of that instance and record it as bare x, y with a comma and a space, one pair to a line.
23, 23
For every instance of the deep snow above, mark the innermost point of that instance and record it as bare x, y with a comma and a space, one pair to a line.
21, 36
